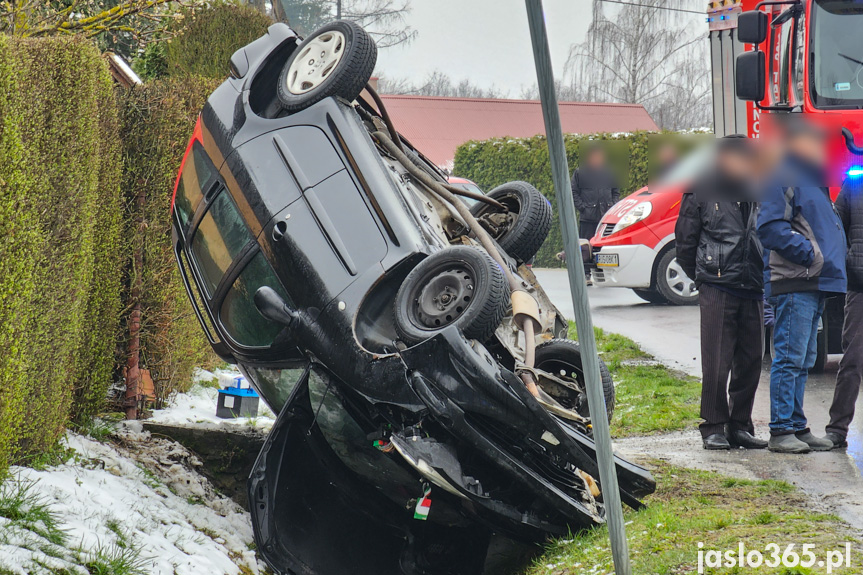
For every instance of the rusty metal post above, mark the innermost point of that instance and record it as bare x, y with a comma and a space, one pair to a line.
578, 287
133, 360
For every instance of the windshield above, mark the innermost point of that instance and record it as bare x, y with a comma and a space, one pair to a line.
697, 162
837, 53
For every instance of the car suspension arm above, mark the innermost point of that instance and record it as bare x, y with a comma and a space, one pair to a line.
484, 238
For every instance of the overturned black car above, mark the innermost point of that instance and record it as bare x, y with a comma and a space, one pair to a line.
428, 400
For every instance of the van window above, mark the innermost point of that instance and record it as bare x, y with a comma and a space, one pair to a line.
221, 235
197, 172
239, 316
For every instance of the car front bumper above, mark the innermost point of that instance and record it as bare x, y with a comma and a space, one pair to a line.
634, 267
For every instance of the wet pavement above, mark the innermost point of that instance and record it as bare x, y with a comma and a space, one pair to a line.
671, 334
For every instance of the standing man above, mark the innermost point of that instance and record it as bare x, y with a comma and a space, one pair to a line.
717, 244
849, 205
805, 263
594, 191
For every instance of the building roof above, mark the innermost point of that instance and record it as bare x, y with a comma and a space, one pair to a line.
437, 126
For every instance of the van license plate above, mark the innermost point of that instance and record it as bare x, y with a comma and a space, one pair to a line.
607, 260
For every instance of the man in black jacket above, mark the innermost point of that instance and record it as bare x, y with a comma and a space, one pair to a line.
717, 245
849, 205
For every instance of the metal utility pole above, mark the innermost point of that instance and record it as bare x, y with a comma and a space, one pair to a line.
578, 287
338, 9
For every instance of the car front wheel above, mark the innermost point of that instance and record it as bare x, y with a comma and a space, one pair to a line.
673, 283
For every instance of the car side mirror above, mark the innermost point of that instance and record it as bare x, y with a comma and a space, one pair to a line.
750, 80
752, 27
271, 305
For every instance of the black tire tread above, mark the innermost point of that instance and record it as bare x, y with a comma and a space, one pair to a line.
650, 295
534, 220
485, 321
350, 77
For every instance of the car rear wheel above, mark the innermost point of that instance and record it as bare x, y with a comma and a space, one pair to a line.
562, 358
336, 60
459, 285
523, 227
673, 283
650, 295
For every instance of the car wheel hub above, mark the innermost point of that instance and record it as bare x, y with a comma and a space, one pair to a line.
316, 62
444, 298
678, 281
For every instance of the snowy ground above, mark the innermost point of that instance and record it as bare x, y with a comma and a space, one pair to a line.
135, 500
198, 408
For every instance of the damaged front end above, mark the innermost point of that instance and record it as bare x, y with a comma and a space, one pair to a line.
342, 486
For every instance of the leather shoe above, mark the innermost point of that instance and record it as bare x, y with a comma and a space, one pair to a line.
745, 440
838, 440
716, 441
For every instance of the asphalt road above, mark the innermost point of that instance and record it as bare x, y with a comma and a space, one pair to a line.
671, 334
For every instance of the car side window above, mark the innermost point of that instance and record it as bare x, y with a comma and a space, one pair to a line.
221, 235
276, 384
197, 172
239, 316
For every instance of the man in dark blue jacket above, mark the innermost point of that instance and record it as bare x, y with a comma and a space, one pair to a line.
804, 264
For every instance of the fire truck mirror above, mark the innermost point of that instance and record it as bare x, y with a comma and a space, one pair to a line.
749, 77
752, 27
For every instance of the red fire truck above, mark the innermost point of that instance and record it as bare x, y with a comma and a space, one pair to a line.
769, 57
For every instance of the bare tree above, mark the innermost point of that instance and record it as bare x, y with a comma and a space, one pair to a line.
437, 83
648, 54
384, 20
92, 18
564, 92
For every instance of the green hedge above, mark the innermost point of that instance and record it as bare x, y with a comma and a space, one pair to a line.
59, 219
157, 120
493, 162
210, 37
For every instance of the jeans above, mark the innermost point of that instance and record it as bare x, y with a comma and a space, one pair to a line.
795, 348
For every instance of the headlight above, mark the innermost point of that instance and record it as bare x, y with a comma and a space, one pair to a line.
637, 213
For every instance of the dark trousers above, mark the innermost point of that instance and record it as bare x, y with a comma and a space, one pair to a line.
732, 341
850, 366
587, 229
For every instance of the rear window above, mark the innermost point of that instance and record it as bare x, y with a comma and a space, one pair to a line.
239, 316
197, 172
221, 235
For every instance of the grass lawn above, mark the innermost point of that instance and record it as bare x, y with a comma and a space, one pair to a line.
650, 398
697, 506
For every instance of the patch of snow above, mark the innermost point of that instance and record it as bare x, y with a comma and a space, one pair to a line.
158, 502
197, 408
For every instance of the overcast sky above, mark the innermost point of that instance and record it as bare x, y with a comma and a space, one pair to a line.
487, 41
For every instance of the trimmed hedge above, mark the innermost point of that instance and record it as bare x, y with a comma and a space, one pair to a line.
493, 162
59, 219
210, 37
157, 120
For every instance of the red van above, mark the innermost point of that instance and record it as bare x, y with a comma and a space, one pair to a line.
634, 242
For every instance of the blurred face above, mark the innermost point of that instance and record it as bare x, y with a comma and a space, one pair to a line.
596, 159
736, 164
811, 147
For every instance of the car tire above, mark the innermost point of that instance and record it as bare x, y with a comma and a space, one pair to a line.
525, 233
562, 357
672, 282
650, 295
344, 72
821, 357
459, 285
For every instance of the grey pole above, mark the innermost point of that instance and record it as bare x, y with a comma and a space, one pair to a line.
338, 9
578, 287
